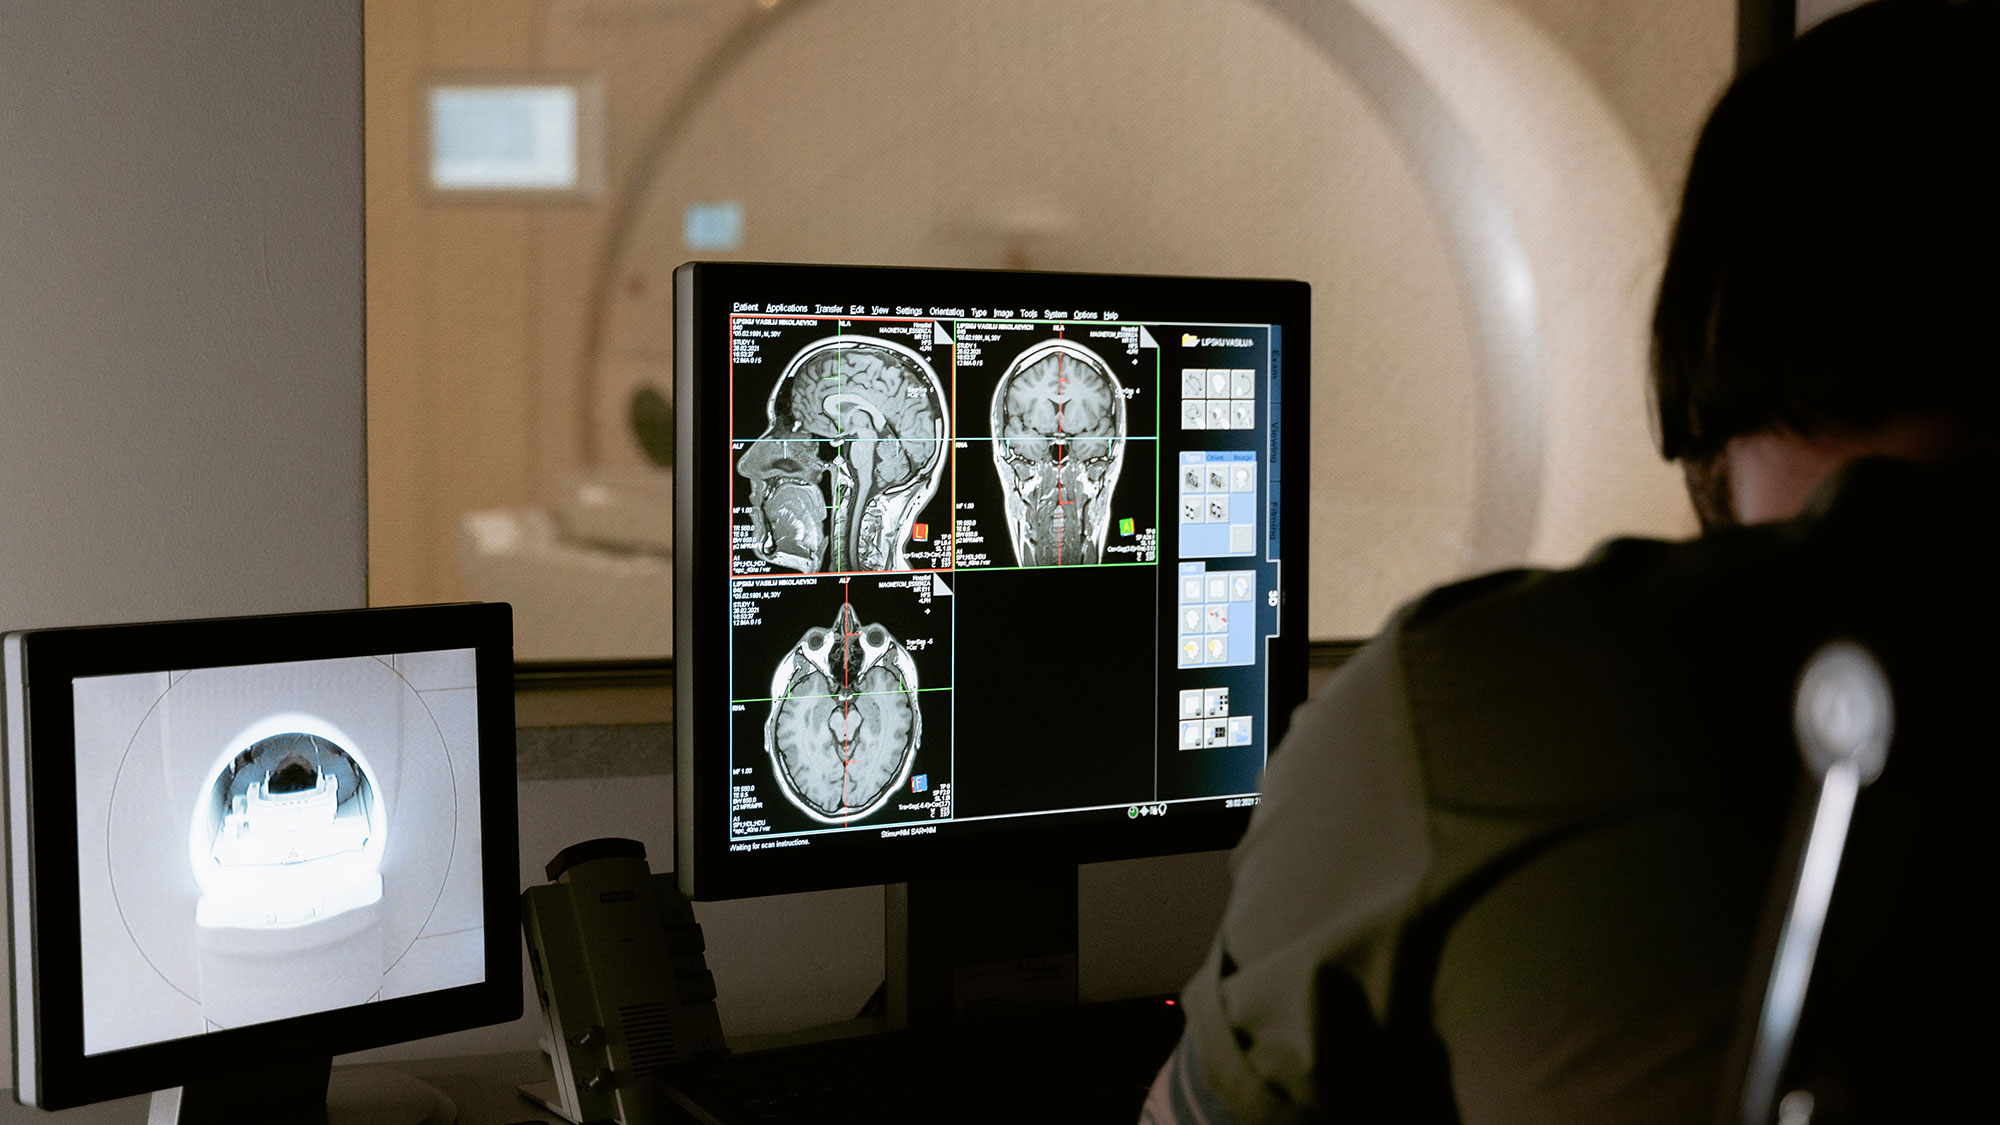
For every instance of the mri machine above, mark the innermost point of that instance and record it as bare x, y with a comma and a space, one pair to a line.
1480, 217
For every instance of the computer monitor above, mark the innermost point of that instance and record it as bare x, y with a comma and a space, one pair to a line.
237, 848
979, 573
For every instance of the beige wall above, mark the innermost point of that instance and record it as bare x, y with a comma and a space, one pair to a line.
1198, 136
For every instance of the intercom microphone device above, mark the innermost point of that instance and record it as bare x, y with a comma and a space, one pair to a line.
621, 976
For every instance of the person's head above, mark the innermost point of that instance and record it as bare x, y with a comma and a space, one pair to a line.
1831, 283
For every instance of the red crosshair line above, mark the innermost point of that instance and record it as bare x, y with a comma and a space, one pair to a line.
1062, 450
846, 696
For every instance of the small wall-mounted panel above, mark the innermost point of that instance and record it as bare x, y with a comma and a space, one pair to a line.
491, 138
713, 226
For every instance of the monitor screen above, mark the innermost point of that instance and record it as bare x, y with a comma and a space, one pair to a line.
979, 565
259, 830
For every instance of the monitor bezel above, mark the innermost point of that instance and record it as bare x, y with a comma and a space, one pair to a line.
51, 1069
706, 868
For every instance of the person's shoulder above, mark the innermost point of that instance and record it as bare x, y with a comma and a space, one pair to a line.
1623, 585
1536, 692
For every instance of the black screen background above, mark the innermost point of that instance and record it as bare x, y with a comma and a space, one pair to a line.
1059, 690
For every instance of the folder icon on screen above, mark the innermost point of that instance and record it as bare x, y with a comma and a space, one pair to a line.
1189, 339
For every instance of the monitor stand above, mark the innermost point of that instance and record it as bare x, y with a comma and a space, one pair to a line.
981, 989
280, 1092
986, 946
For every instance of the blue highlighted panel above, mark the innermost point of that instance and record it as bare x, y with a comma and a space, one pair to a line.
1218, 616
1218, 504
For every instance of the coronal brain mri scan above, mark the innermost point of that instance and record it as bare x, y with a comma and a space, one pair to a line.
855, 447
1059, 440
844, 724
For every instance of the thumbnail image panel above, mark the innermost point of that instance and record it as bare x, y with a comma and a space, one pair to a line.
840, 439
1058, 435
841, 702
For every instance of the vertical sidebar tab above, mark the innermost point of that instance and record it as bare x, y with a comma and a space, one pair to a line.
1274, 453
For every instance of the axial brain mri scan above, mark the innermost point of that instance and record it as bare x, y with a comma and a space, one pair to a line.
854, 448
844, 725
1059, 430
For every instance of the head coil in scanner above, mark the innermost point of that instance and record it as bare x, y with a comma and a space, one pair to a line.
290, 798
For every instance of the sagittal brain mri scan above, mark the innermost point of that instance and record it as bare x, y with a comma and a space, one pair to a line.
854, 447
844, 724
1059, 439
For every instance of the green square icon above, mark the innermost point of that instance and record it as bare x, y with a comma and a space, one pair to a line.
1125, 527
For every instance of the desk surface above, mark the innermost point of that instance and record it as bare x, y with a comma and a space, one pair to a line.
1112, 1049
482, 1086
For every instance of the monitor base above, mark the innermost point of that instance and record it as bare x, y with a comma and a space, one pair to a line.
349, 1096
545, 1094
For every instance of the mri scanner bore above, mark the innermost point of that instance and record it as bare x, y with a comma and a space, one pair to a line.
853, 448
267, 841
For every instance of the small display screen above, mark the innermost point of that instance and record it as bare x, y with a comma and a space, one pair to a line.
263, 841
993, 559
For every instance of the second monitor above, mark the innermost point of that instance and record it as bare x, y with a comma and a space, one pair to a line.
239, 847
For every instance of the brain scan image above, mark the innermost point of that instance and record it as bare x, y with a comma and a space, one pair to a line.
1059, 439
844, 725
854, 447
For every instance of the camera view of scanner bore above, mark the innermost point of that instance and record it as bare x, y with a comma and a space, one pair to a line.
268, 841
1059, 441
854, 448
